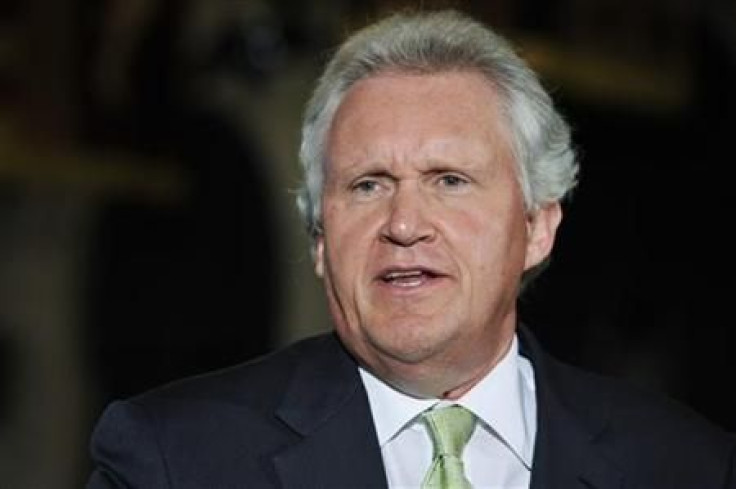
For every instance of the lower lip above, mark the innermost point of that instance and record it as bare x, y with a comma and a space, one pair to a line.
411, 286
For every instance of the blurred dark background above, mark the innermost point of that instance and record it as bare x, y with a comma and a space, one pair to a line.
147, 167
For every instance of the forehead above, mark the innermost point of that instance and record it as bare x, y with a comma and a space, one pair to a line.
415, 114
456, 91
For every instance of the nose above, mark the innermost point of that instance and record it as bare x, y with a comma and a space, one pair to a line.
407, 221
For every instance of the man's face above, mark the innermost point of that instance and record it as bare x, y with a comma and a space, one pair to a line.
425, 232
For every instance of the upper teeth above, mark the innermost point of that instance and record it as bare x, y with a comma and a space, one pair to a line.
405, 274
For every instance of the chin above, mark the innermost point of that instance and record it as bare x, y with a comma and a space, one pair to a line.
413, 348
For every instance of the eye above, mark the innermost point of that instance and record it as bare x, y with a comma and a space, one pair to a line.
452, 181
370, 185
365, 186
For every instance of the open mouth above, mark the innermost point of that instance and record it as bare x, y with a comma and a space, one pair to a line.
408, 278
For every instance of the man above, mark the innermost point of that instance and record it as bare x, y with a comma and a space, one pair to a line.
435, 164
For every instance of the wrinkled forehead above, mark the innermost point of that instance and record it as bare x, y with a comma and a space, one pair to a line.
426, 112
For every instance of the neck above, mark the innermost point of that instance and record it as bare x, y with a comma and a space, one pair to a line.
450, 378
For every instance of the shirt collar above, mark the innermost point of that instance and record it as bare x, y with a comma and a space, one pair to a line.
497, 400
392, 409
501, 401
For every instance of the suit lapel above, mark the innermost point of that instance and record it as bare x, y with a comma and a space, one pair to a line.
566, 455
327, 405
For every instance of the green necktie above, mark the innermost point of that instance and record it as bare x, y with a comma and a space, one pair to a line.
450, 428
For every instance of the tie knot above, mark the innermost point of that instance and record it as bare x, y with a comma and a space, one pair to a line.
450, 428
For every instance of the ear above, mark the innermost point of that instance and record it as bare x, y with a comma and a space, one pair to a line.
541, 230
319, 256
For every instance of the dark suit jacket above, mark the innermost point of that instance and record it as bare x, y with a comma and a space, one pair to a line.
300, 419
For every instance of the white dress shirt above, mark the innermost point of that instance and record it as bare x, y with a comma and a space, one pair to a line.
499, 453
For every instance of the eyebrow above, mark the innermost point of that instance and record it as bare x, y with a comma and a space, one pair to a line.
376, 168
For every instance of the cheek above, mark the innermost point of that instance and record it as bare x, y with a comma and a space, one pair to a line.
348, 244
472, 235
488, 248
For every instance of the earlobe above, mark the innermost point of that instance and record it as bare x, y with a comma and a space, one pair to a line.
541, 231
319, 261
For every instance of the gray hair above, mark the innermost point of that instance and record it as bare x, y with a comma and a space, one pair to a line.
434, 42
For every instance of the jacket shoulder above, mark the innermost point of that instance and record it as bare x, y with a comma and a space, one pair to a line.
647, 433
203, 430
258, 383
628, 405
